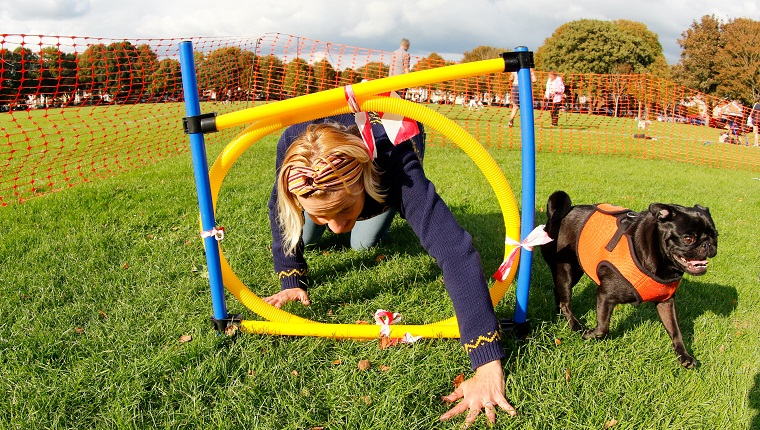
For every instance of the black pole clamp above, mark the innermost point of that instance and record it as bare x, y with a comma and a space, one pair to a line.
203, 123
516, 60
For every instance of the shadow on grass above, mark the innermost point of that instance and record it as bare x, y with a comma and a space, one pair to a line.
754, 403
486, 230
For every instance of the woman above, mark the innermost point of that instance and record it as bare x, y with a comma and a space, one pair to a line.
555, 90
326, 176
514, 96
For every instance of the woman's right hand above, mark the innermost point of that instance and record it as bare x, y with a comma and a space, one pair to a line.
286, 296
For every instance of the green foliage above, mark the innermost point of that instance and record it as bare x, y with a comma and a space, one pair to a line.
603, 47
721, 58
480, 53
739, 61
700, 44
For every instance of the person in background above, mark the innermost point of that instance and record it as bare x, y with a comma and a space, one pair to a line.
514, 96
555, 90
326, 175
400, 59
754, 119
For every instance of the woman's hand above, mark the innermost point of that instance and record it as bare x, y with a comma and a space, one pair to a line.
286, 296
485, 390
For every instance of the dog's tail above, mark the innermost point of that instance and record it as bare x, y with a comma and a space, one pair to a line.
557, 207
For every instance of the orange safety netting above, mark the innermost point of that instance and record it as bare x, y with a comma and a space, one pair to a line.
74, 109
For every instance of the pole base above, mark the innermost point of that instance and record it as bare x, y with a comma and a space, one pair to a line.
221, 324
518, 330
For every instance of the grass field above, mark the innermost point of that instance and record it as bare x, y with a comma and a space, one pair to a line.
100, 284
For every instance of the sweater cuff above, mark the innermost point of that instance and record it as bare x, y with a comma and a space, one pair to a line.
484, 349
292, 279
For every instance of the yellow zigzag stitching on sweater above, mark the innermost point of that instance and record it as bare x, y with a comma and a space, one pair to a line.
293, 272
481, 340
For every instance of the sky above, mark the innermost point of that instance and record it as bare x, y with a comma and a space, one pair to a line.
446, 27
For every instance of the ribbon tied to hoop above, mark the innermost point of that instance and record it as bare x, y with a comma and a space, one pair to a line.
535, 238
384, 319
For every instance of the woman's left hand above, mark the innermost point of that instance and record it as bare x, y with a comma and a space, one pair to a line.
485, 390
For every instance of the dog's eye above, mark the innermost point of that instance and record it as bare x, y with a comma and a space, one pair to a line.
689, 239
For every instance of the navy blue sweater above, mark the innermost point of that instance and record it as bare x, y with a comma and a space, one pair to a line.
414, 196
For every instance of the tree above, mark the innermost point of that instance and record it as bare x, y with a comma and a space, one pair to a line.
226, 72
91, 68
298, 77
373, 70
325, 76
10, 76
144, 69
432, 61
659, 67
58, 72
602, 47
700, 44
482, 52
739, 61
29, 64
268, 77
167, 79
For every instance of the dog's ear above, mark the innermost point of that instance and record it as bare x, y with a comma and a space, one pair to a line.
703, 208
662, 212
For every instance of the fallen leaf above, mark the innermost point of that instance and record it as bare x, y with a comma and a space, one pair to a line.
557, 341
175, 228
364, 365
610, 423
361, 322
722, 348
567, 375
102, 314
379, 258
385, 342
125, 266
250, 372
317, 428
185, 338
367, 400
231, 329
337, 362
325, 253
79, 330
385, 368
294, 372
458, 380
24, 297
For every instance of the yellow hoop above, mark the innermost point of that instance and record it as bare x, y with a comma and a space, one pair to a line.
285, 323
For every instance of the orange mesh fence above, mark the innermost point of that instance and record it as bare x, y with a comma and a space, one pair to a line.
75, 109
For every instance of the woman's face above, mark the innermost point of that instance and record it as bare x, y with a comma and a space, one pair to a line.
339, 209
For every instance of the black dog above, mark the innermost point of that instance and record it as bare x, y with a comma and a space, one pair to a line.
634, 257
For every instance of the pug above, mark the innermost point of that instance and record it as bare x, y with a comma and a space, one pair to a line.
632, 256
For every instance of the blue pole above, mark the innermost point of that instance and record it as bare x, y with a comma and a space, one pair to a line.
528, 188
202, 183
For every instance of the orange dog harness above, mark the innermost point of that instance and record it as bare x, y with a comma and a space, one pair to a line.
600, 244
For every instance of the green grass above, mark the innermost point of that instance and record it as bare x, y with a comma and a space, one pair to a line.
100, 282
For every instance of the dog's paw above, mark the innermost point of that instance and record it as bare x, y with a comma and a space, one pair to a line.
593, 334
687, 361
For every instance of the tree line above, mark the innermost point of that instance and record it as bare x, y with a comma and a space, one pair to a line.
718, 58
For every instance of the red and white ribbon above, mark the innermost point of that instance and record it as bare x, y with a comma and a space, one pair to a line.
535, 238
397, 127
384, 319
216, 232
362, 121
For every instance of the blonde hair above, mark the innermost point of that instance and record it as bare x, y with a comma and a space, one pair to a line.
317, 143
